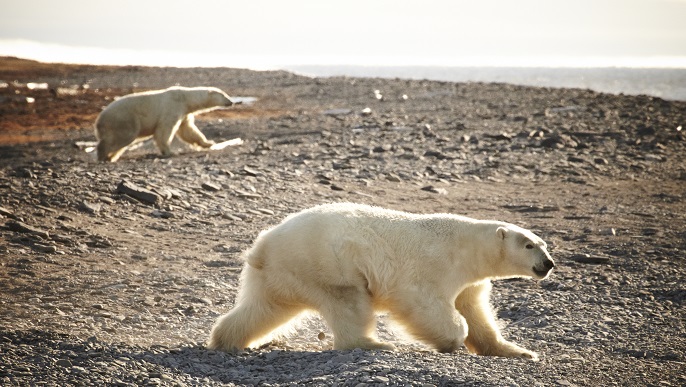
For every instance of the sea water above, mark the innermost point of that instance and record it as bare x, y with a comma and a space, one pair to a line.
666, 83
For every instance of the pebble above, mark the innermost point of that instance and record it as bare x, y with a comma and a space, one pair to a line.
209, 186
436, 190
162, 214
91, 208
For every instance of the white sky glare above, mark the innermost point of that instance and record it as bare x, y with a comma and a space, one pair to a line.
352, 31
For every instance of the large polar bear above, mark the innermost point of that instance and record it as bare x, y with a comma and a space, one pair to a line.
157, 113
430, 272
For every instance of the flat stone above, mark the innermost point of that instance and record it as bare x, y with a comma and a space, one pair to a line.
436, 190
248, 195
162, 214
588, 258
393, 178
251, 172
337, 112
91, 208
209, 186
48, 249
139, 193
5, 212
24, 228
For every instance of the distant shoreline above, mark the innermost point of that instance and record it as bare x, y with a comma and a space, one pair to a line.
666, 83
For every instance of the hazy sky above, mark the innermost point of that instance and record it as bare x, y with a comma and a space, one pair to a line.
354, 31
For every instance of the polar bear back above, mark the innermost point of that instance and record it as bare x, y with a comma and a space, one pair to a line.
346, 244
145, 108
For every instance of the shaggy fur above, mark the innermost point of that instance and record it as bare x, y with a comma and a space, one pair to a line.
430, 272
159, 113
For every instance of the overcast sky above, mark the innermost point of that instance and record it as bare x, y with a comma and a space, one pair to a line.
353, 31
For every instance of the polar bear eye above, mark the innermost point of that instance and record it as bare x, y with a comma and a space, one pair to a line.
529, 246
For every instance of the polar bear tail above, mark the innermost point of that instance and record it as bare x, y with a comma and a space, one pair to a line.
253, 317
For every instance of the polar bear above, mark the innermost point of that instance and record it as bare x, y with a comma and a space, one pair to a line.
157, 113
431, 273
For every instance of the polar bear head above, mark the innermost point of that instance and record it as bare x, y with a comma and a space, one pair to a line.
523, 253
218, 97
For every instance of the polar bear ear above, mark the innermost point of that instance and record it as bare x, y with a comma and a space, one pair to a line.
501, 232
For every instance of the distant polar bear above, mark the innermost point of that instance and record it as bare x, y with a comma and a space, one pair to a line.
158, 113
430, 272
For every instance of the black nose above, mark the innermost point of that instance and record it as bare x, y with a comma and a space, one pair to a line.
549, 264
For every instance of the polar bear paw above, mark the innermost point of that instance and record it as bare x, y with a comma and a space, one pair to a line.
507, 349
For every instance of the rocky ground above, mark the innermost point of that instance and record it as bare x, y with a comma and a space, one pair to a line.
114, 273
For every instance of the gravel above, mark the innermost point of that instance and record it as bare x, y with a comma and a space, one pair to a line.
113, 274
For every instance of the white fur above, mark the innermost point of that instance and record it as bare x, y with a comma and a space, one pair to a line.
430, 272
158, 113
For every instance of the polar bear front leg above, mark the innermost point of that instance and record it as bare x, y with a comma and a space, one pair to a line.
430, 318
164, 134
190, 133
484, 336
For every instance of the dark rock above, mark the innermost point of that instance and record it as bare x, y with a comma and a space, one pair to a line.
588, 258
21, 227
559, 141
436, 190
162, 214
531, 208
500, 136
209, 186
46, 249
600, 160
141, 194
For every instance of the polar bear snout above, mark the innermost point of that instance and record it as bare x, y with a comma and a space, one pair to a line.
544, 268
224, 100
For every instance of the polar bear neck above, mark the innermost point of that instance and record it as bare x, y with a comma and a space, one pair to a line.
198, 107
197, 100
477, 251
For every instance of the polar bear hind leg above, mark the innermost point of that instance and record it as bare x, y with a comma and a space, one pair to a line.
114, 137
431, 319
253, 318
349, 313
484, 337
190, 133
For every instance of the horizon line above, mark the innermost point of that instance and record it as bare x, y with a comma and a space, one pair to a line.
58, 53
